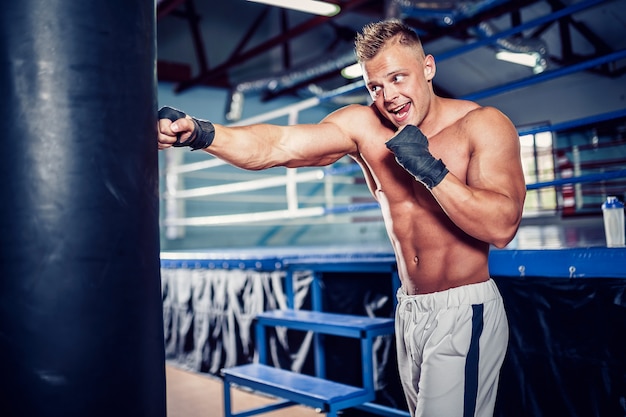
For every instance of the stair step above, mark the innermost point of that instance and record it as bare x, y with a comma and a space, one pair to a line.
304, 389
328, 323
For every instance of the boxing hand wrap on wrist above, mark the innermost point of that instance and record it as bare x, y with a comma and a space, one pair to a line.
410, 147
203, 131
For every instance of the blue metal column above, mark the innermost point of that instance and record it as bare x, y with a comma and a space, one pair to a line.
318, 339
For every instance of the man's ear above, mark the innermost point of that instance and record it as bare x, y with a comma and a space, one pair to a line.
429, 67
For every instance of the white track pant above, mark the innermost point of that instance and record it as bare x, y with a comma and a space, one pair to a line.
451, 345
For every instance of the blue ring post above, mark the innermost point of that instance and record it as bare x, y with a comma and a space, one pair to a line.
81, 325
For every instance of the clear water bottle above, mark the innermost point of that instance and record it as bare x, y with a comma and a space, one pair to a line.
613, 214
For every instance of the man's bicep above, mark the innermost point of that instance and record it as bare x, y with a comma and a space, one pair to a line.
496, 163
318, 145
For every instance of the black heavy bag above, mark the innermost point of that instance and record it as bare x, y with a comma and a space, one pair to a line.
81, 329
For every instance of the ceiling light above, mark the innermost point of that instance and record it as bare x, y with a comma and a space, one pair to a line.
352, 71
308, 6
533, 60
528, 60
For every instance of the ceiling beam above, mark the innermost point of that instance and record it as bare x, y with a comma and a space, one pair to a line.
240, 58
165, 7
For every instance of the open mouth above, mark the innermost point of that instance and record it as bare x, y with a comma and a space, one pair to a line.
402, 111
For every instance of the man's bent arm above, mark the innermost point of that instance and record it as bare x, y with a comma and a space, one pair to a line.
486, 215
489, 206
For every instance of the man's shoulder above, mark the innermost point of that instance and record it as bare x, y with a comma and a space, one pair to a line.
358, 110
357, 117
471, 110
486, 124
468, 115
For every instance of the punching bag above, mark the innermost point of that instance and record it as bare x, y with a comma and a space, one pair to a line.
81, 324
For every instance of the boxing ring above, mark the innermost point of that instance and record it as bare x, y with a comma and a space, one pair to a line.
566, 307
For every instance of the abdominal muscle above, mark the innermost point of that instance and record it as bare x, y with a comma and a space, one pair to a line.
432, 253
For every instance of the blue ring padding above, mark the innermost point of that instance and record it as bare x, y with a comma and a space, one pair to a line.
590, 262
208, 260
595, 262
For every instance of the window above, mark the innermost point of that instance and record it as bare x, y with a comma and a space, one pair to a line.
538, 164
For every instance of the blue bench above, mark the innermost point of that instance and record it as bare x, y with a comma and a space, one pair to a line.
295, 388
318, 393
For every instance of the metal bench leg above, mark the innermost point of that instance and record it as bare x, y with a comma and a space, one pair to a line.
227, 408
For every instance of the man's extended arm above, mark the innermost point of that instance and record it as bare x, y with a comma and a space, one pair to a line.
259, 146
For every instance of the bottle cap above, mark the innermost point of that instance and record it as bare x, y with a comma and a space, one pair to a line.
612, 202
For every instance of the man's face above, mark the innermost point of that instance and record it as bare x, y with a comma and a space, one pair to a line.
397, 79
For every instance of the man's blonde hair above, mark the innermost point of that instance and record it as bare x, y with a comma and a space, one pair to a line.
375, 36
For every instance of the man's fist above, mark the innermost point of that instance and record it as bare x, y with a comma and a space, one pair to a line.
410, 147
202, 134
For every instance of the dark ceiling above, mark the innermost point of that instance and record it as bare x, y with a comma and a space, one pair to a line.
245, 46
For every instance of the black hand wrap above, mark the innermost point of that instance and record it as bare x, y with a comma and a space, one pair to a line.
203, 131
410, 147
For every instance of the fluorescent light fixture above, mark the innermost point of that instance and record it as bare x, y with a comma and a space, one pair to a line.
352, 71
308, 6
528, 59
